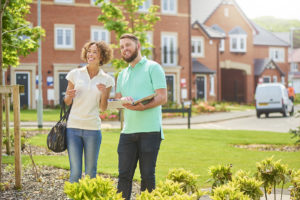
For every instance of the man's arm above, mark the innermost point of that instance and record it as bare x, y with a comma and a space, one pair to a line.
160, 99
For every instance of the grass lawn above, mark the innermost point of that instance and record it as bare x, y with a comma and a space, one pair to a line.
194, 150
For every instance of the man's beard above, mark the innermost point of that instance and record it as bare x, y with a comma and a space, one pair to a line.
132, 57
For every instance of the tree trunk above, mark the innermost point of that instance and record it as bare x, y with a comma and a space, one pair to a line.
1, 102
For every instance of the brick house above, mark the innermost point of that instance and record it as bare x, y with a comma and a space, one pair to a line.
244, 46
71, 23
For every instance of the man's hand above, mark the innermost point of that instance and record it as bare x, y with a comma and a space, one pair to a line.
137, 107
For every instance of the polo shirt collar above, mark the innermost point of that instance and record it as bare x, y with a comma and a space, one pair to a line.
100, 73
140, 63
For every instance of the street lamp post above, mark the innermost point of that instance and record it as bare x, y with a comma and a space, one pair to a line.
40, 93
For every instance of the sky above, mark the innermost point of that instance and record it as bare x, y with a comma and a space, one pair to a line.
284, 9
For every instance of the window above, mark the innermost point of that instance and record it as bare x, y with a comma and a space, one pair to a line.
169, 6
146, 5
169, 47
94, 1
197, 47
222, 45
212, 85
266, 79
99, 33
276, 54
64, 36
150, 41
275, 79
238, 43
283, 80
64, 1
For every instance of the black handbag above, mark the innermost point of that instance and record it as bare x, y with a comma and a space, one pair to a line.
57, 137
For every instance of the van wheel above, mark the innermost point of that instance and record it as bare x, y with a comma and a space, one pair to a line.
257, 114
267, 115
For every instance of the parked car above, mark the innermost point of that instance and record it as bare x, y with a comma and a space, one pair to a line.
272, 98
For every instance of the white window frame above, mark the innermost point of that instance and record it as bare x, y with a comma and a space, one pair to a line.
226, 12
64, 27
93, 2
198, 43
146, 5
150, 40
222, 45
168, 37
64, 1
277, 54
275, 79
283, 80
165, 6
100, 30
212, 85
239, 38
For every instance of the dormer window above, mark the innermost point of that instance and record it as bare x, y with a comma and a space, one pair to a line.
238, 40
222, 41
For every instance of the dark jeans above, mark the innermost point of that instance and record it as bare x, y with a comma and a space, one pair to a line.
142, 147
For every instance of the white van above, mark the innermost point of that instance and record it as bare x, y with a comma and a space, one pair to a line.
272, 98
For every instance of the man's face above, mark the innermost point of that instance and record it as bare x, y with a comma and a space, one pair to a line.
129, 49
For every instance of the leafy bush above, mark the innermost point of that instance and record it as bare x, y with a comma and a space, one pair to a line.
295, 191
272, 173
185, 177
96, 188
248, 185
220, 174
229, 191
168, 190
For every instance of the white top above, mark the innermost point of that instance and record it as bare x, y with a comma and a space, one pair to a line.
85, 109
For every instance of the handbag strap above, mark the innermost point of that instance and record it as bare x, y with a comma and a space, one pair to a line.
64, 114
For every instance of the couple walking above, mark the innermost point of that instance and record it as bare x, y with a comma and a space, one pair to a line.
89, 88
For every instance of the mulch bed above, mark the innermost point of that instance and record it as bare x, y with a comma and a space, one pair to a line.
50, 181
268, 147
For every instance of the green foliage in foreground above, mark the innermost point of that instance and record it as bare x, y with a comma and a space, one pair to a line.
193, 150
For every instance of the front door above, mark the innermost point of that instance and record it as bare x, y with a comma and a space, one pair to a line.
22, 78
63, 83
170, 87
200, 83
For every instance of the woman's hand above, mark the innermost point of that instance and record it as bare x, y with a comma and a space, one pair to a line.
102, 88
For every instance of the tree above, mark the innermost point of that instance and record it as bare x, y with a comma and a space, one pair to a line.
123, 16
18, 38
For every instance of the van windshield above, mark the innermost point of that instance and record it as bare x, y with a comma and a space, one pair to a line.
268, 92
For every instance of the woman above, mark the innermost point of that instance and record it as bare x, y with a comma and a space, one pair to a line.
88, 89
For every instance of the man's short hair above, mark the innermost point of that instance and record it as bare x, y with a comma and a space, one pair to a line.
129, 36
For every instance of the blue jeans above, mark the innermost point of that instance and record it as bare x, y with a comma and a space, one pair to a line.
142, 147
79, 141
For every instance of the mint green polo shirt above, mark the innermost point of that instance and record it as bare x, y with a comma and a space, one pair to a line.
138, 82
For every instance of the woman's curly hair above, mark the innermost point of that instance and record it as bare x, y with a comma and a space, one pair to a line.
106, 52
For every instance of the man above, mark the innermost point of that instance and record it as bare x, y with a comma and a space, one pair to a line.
291, 92
142, 132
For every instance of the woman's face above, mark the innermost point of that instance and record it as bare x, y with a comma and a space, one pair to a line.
93, 55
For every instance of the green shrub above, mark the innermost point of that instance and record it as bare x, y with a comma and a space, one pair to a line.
272, 173
92, 189
220, 174
168, 190
229, 191
248, 185
185, 177
295, 191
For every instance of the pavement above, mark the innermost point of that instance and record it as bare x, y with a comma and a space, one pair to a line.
168, 123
